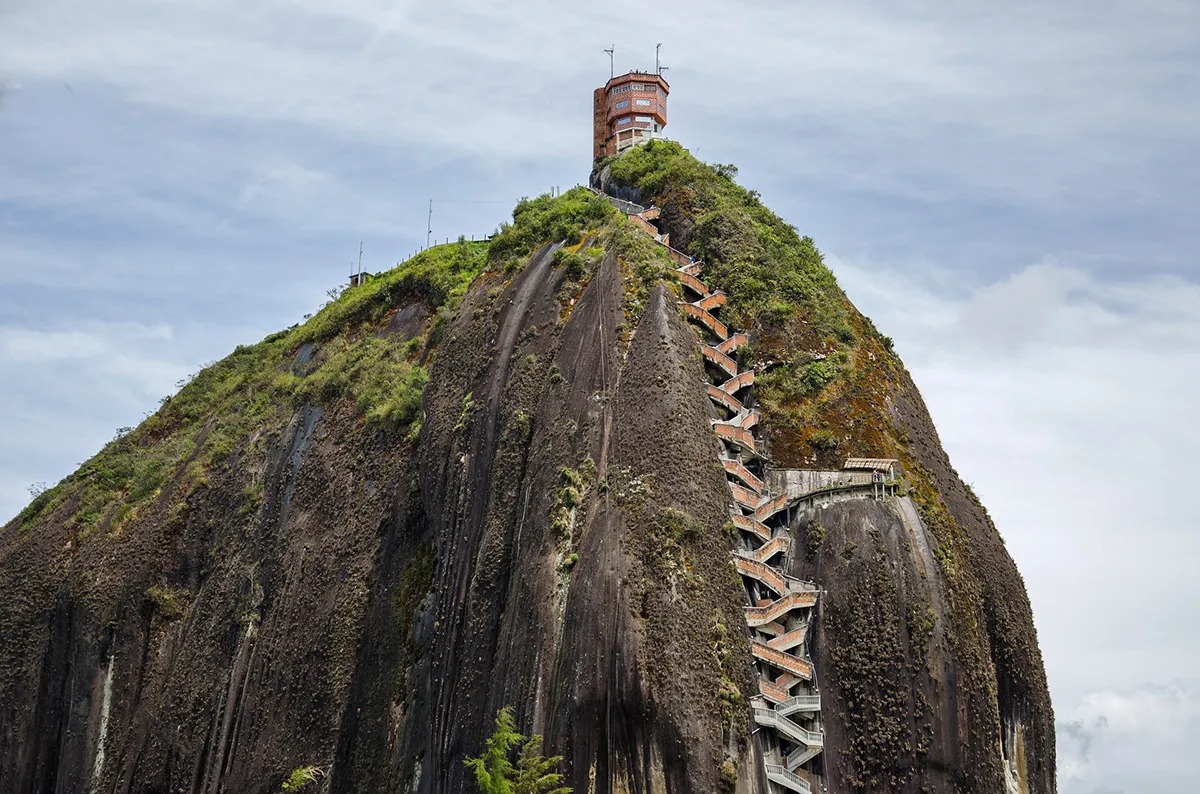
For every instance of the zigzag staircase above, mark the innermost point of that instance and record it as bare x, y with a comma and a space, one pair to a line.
780, 607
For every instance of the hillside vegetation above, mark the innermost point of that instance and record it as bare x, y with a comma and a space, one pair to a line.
822, 366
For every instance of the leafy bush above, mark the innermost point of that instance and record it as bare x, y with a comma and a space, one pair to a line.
769, 271
513, 764
571, 261
378, 375
169, 603
550, 219
439, 275
814, 536
302, 777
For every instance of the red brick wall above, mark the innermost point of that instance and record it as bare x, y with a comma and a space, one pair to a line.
605, 112
599, 125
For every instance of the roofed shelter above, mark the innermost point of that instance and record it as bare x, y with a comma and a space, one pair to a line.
890, 468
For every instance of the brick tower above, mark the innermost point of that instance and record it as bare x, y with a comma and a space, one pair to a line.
630, 109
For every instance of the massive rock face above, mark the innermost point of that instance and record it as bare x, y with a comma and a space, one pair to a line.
300, 585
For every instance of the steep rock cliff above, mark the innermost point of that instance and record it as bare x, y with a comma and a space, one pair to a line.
488, 478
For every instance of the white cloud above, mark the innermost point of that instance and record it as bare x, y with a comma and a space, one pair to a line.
26, 345
1099, 735
1149, 712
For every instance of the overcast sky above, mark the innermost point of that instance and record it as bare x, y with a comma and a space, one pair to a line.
1008, 189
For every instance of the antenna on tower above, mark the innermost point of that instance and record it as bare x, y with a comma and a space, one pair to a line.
611, 64
658, 67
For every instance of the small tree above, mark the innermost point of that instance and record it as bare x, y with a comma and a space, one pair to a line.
532, 773
535, 773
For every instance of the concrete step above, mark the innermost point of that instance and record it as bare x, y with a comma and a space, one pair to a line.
718, 359
778, 581
770, 508
777, 545
801, 756
798, 704
789, 640
782, 776
736, 435
784, 661
724, 399
771, 691
695, 285
735, 340
685, 262
744, 379
746, 419
766, 716
713, 301
644, 225
734, 468
769, 613
748, 524
707, 320
787, 681
744, 496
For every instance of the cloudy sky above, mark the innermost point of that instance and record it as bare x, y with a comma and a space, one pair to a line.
1008, 189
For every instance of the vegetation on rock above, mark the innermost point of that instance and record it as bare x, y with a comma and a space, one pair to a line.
210, 421
818, 360
513, 764
302, 777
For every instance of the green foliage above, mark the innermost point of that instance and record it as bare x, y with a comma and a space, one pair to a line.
513, 764
945, 558
169, 603
550, 219
573, 485
469, 406
377, 375
814, 536
778, 286
303, 776
768, 270
823, 439
568, 496
439, 276
921, 620
729, 775
681, 527
216, 411
784, 387
571, 261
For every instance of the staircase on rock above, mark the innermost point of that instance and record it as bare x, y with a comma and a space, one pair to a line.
781, 608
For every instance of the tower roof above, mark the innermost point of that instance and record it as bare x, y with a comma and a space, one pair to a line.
637, 77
